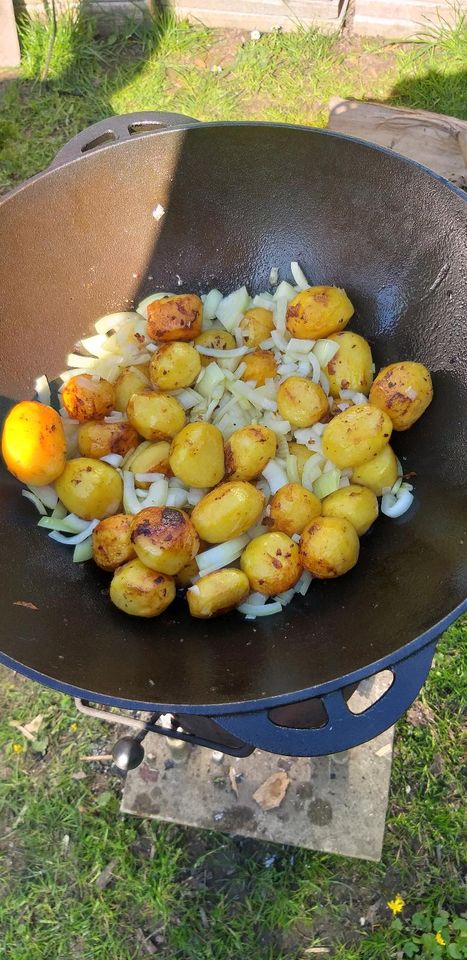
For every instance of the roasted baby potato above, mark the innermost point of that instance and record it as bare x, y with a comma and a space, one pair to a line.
302, 453
356, 435
301, 402
217, 593
248, 451
164, 538
271, 563
111, 544
292, 507
351, 368
97, 439
128, 383
318, 312
185, 576
174, 365
33, 443
404, 391
215, 339
175, 318
354, 503
228, 511
329, 547
139, 591
260, 366
197, 455
379, 473
87, 399
154, 458
256, 326
155, 416
90, 488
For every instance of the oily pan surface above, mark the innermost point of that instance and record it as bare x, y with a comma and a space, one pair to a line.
238, 200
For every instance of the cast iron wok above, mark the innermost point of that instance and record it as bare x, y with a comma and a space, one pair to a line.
80, 240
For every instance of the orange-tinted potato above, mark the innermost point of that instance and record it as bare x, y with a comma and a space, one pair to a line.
317, 312
404, 391
260, 366
97, 439
292, 507
33, 443
88, 399
175, 318
256, 326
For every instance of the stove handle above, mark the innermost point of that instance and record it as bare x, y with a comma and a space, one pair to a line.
343, 728
117, 129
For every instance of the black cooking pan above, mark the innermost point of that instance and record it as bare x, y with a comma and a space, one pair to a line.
80, 240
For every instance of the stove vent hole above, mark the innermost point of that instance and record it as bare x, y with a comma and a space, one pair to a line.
306, 715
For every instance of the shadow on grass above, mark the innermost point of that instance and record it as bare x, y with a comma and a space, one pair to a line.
434, 90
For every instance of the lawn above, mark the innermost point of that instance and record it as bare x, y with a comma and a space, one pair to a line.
175, 893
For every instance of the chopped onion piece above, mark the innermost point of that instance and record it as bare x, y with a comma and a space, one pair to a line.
324, 351
280, 311
80, 362
302, 585
42, 389
64, 525
46, 494
394, 506
311, 471
252, 610
285, 597
176, 498
299, 276
222, 554
187, 397
116, 417
279, 341
115, 459
295, 345
112, 321
210, 378
195, 494
275, 475
131, 504
274, 276
411, 393
324, 382
292, 469
59, 512
66, 375
267, 344
304, 368
35, 500
344, 482
259, 599
232, 308
98, 346
143, 305
354, 396
295, 537
132, 454
316, 375
148, 477
285, 290
263, 300
396, 486
223, 354
327, 483
71, 541
211, 303
157, 494
83, 551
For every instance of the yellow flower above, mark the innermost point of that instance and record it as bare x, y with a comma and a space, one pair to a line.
17, 748
440, 940
396, 905
73, 727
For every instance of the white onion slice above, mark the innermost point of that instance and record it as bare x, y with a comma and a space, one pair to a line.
176, 498
327, 483
83, 551
311, 471
252, 610
285, 290
46, 494
223, 354
395, 506
157, 494
274, 276
78, 361
232, 308
275, 475
324, 351
258, 599
211, 303
302, 585
187, 397
35, 500
354, 396
285, 597
324, 382
42, 389
143, 305
222, 554
299, 276
280, 312
195, 494
112, 321
131, 504
295, 345
115, 459
72, 541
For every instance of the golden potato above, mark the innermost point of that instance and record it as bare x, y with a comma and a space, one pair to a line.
260, 366
271, 563
404, 391
217, 593
354, 503
248, 451
329, 547
197, 455
33, 443
215, 339
351, 368
97, 439
301, 402
153, 459
256, 326
292, 507
174, 365
128, 383
87, 399
141, 592
90, 488
318, 312
378, 473
228, 511
164, 538
302, 453
356, 435
175, 318
155, 416
111, 544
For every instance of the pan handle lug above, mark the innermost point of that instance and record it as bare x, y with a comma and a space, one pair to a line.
117, 129
342, 729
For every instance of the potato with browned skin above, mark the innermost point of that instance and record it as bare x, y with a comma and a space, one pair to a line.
351, 368
318, 312
271, 563
175, 318
141, 592
301, 402
227, 511
256, 326
354, 503
260, 366
33, 443
156, 416
90, 488
379, 473
111, 544
85, 398
128, 383
217, 593
97, 439
215, 339
174, 366
404, 391
329, 547
164, 538
197, 455
292, 507
356, 435
248, 451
